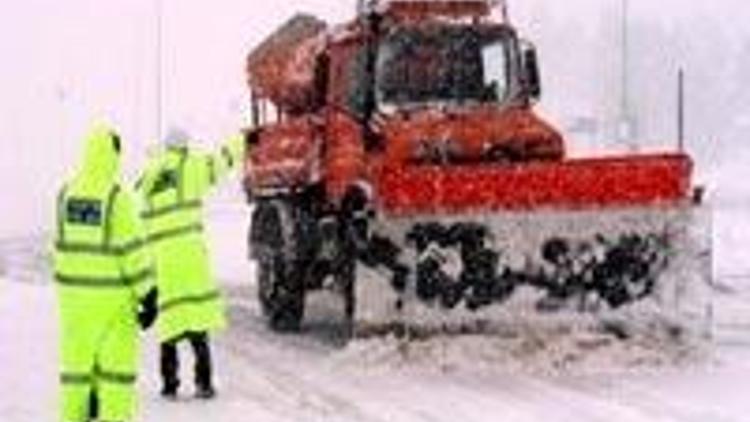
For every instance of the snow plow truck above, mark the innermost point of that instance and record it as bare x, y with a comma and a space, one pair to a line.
398, 160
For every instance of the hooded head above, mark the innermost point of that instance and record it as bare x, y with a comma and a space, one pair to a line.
102, 159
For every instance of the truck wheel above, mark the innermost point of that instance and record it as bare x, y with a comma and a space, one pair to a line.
280, 290
287, 309
268, 275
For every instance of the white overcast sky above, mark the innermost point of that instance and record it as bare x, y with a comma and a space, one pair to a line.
65, 62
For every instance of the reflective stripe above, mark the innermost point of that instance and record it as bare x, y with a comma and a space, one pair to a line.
104, 282
181, 187
227, 156
115, 377
139, 277
94, 249
189, 300
177, 232
107, 240
61, 213
158, 212
70, 378
139, 183
211, 170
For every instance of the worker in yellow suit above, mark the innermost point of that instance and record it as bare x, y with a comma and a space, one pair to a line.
105, 286
173, 188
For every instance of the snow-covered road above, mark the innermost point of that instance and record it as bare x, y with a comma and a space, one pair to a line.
312, 377
316, 376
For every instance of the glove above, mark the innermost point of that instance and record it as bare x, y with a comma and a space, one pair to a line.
148, 309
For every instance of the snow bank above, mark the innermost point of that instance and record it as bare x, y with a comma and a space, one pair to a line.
28, 352
538, 350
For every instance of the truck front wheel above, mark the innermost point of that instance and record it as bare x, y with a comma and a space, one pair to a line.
286, 305
280, 289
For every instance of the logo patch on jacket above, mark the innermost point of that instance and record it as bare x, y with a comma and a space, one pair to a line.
86, 212
168, 179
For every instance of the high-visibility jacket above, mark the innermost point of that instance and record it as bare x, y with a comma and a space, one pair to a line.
173, 188
102, 271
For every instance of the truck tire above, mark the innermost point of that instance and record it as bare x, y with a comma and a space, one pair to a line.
287, 306
281, 292
269, 271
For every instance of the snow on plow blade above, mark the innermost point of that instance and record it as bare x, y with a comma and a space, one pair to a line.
612, 239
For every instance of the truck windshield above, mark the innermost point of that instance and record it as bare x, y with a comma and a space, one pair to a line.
444, 64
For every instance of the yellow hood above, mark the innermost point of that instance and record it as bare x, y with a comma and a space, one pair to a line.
101, 162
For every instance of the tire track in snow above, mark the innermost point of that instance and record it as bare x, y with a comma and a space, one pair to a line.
278, 360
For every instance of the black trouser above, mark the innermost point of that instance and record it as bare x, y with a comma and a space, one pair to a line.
170, 361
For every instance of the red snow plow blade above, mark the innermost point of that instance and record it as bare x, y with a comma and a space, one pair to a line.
648, 180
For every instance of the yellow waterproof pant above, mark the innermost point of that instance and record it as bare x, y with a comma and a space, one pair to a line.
99, 359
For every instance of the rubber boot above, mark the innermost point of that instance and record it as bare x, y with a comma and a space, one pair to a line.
170, 366
204, 387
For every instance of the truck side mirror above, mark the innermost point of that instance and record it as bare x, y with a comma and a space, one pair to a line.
532, 79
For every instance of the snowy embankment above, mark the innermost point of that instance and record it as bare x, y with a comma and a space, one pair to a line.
315, 376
